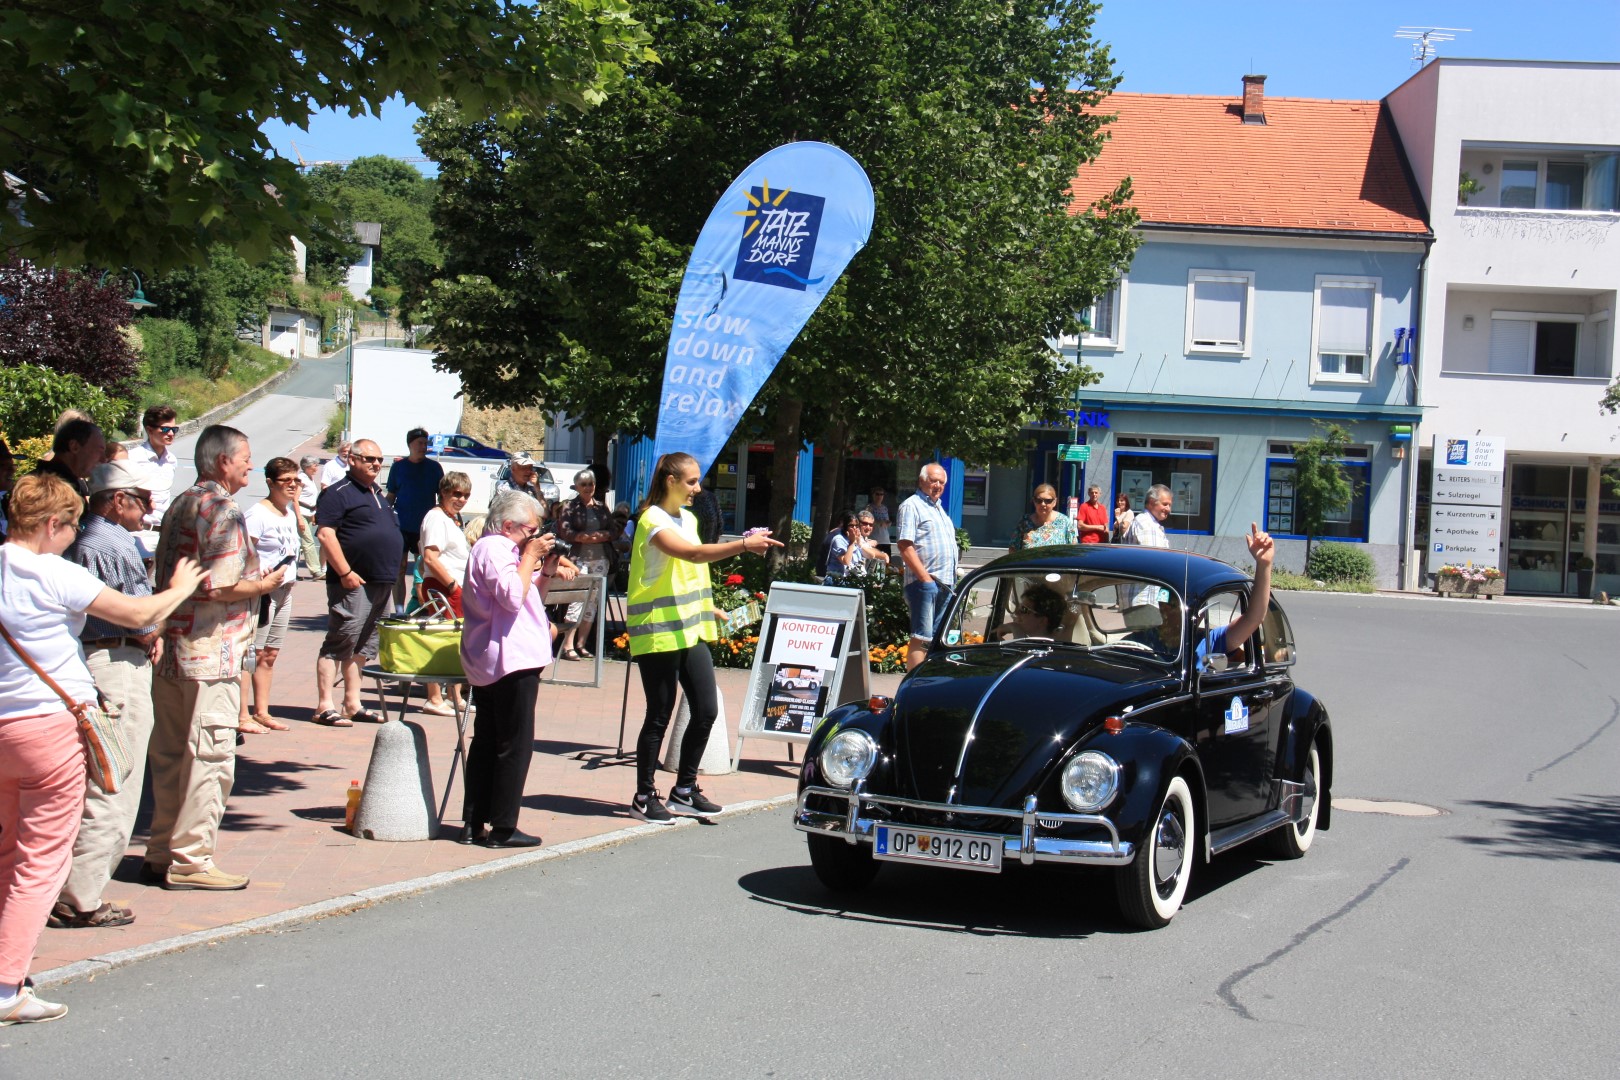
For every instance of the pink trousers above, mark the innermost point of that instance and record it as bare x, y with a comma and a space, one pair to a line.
41, 800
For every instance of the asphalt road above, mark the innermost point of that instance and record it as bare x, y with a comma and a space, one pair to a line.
1480, 943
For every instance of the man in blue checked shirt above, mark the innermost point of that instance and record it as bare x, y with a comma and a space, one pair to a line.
927, 541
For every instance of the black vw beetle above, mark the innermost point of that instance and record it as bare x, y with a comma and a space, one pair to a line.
1075, 709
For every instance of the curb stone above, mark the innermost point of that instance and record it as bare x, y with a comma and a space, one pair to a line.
365, 898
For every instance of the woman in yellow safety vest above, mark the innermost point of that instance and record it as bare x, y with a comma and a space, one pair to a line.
671, 622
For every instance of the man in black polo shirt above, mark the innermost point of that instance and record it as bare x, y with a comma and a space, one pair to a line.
360, 538
76, 448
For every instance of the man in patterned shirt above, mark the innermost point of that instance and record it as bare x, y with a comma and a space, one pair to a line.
196, 691
927, 541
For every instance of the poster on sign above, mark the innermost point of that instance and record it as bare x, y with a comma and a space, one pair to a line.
795, 699
812, 657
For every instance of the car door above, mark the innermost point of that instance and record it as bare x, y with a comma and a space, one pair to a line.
1235, 729
1277, 657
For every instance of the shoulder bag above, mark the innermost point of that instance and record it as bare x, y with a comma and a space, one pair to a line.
107, 756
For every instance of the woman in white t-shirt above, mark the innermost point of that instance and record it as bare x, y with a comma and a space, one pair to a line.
272, 525
443, 565
43, 601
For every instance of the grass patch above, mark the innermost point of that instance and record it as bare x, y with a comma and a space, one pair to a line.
191, 393
1282, 579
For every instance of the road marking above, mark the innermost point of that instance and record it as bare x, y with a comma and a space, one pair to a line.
1386, 806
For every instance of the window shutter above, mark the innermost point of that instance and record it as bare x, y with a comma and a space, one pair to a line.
1218, 311
1512, 342
1346, 320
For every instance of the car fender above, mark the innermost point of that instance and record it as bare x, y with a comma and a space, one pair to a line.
1149, 758
1307, 721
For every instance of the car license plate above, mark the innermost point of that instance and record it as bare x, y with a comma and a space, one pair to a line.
969, 851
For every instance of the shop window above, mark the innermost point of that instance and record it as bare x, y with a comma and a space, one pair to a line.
1220, 311
1346, 327
1190, 476
1347, 522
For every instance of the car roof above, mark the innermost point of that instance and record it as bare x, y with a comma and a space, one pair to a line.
1200, 573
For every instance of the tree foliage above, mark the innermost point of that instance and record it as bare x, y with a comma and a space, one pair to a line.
136, 128
565, 238
1321, 484
394, 195
220, 298
67, 321
32, 397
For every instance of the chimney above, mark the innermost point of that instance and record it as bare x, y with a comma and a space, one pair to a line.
1254, 99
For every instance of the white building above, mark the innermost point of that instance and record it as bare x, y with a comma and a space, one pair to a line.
368, 234
1516, 333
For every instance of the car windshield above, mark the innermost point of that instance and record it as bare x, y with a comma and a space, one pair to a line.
1087, 610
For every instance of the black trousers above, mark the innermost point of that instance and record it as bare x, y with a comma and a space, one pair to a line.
693, 669
502, 747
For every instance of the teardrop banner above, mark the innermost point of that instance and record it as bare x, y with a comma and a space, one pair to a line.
772, 248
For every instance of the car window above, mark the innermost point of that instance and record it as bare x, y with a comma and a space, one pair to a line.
1068, 608
1276, 637
1219, 610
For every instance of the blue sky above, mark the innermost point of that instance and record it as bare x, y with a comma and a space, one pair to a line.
1308, 48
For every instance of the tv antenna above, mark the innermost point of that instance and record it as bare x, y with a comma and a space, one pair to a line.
1425, 38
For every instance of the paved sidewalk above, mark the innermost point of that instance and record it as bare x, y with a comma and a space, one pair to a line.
284, 824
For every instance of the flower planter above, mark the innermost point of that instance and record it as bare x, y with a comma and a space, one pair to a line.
1456, 585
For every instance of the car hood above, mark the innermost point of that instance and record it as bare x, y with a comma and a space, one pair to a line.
982, 727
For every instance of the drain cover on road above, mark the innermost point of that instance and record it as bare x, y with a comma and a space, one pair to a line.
1386, 806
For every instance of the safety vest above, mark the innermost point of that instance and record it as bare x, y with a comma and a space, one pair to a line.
671, 610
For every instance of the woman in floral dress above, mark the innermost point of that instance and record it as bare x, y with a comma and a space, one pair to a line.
1044, 526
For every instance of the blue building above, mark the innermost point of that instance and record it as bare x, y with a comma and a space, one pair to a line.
1276, 288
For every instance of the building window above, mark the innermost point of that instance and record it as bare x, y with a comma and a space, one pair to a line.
1347, 522
1535, 343
1188, 473
1220, 311
1539, 181
1105, 320
1346, 328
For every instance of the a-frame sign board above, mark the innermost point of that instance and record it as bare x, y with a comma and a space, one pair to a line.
811, 657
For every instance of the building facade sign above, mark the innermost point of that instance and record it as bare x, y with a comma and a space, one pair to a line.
1465, 517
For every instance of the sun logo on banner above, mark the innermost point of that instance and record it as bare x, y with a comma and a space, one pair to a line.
779, 244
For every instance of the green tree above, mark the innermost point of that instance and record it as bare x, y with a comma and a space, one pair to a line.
565, 238
1321, 485
136, 128
398, 198
220, 298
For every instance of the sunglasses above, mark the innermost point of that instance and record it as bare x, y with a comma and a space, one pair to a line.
367, 458
1044, 502
168, 429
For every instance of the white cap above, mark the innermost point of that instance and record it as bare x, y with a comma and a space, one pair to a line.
122, 474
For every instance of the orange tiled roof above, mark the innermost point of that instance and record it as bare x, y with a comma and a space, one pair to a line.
1314, 164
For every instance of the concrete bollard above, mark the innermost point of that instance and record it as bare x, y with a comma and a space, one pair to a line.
716, 755
397, 803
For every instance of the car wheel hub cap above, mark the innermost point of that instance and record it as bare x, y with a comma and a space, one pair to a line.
1169, 848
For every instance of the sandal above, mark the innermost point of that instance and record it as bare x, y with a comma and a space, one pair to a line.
65, 917
332, 718
569, 654
251, 726
366, 716
270, 723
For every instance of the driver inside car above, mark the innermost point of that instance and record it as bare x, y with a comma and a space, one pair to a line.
1039, 613
1227, 640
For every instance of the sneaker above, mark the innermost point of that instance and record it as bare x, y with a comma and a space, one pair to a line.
212, 879
28, 1009
692, 804
650, 808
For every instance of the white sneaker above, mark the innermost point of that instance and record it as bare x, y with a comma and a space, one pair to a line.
28, 1009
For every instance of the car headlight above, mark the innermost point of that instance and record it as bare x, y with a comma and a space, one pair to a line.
848, 757
1090, 780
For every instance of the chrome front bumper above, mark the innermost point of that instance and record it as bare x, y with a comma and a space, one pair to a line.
1026, 846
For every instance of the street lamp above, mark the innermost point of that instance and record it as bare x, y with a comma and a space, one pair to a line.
138, 299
